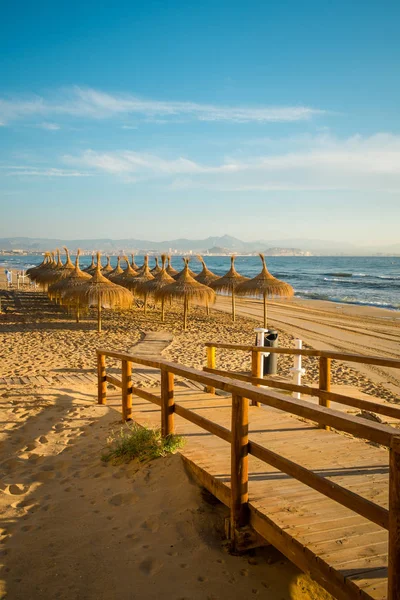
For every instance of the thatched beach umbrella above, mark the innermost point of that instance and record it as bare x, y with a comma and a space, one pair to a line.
191, 273
157, 269
74, 279
36, 274
135, 285
32, 270
205, 276
126, 276
91, 268
187, 288
170, 269
108, 268
59, 274
266, 285
228, 284
115, 272
152, 286
133, 264
99, 292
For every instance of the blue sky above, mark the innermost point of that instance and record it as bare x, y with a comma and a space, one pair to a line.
158, 120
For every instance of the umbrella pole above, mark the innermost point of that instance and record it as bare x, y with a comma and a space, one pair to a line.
233, 306
207, 308
145, 304
265, 311
99, 315
185, 313
77, 313
162, 310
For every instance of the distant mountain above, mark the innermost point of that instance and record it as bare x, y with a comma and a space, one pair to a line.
226, 242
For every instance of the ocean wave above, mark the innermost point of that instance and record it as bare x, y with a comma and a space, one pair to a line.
309, 295
338, 274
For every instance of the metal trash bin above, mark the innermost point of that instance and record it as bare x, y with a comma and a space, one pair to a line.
270, 365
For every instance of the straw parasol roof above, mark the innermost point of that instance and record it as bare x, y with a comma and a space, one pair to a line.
37, 273
187, 288
157, 269
228, 284
170, 269
108, 268
191, 273
266, 285
115, 272
75, 278
133, 264
58, 274
136, 284
126, 276
91, 268
32, 270
205, 276
99, 292
152, 286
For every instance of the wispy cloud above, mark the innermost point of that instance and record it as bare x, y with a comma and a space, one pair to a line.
49, 126
324, 163
26, 170
89, 103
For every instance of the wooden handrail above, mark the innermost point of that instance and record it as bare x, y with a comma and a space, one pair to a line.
308, 390
344, 356
357, 426
242, 446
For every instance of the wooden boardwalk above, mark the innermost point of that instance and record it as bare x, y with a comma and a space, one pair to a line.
305, 525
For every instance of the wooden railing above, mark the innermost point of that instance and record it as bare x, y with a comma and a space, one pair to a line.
322, 392
242, 446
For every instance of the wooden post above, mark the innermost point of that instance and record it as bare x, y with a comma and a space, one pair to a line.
394, 520
324, 382
256, 359
99, 315
185, 311
127, 390
233, 306
167, 403
239, 463
163, 310
101, 379
211, 362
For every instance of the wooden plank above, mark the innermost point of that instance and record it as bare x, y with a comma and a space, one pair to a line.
114, 380
126, 390
101, 379
239, 463
204, 423
324, 381
342, 356
360, 505
394, 521
167, 403
382, 409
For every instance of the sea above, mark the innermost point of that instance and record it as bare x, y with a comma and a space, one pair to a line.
370, 281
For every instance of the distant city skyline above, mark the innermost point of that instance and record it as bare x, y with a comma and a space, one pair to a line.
159, 121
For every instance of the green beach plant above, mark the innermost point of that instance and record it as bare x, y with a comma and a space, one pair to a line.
136, 442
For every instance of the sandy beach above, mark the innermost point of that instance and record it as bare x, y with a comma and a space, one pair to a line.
73, 527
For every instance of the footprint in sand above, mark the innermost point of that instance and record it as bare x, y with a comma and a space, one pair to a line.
43, 439
123, 498
150, 566
17, 489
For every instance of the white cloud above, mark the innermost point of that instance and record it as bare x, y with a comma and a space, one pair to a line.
49, 126
95, 104
323, 163
27, 170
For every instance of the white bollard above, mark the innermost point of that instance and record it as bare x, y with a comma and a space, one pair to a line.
297, 369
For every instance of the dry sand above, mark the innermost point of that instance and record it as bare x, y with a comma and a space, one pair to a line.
73, 527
